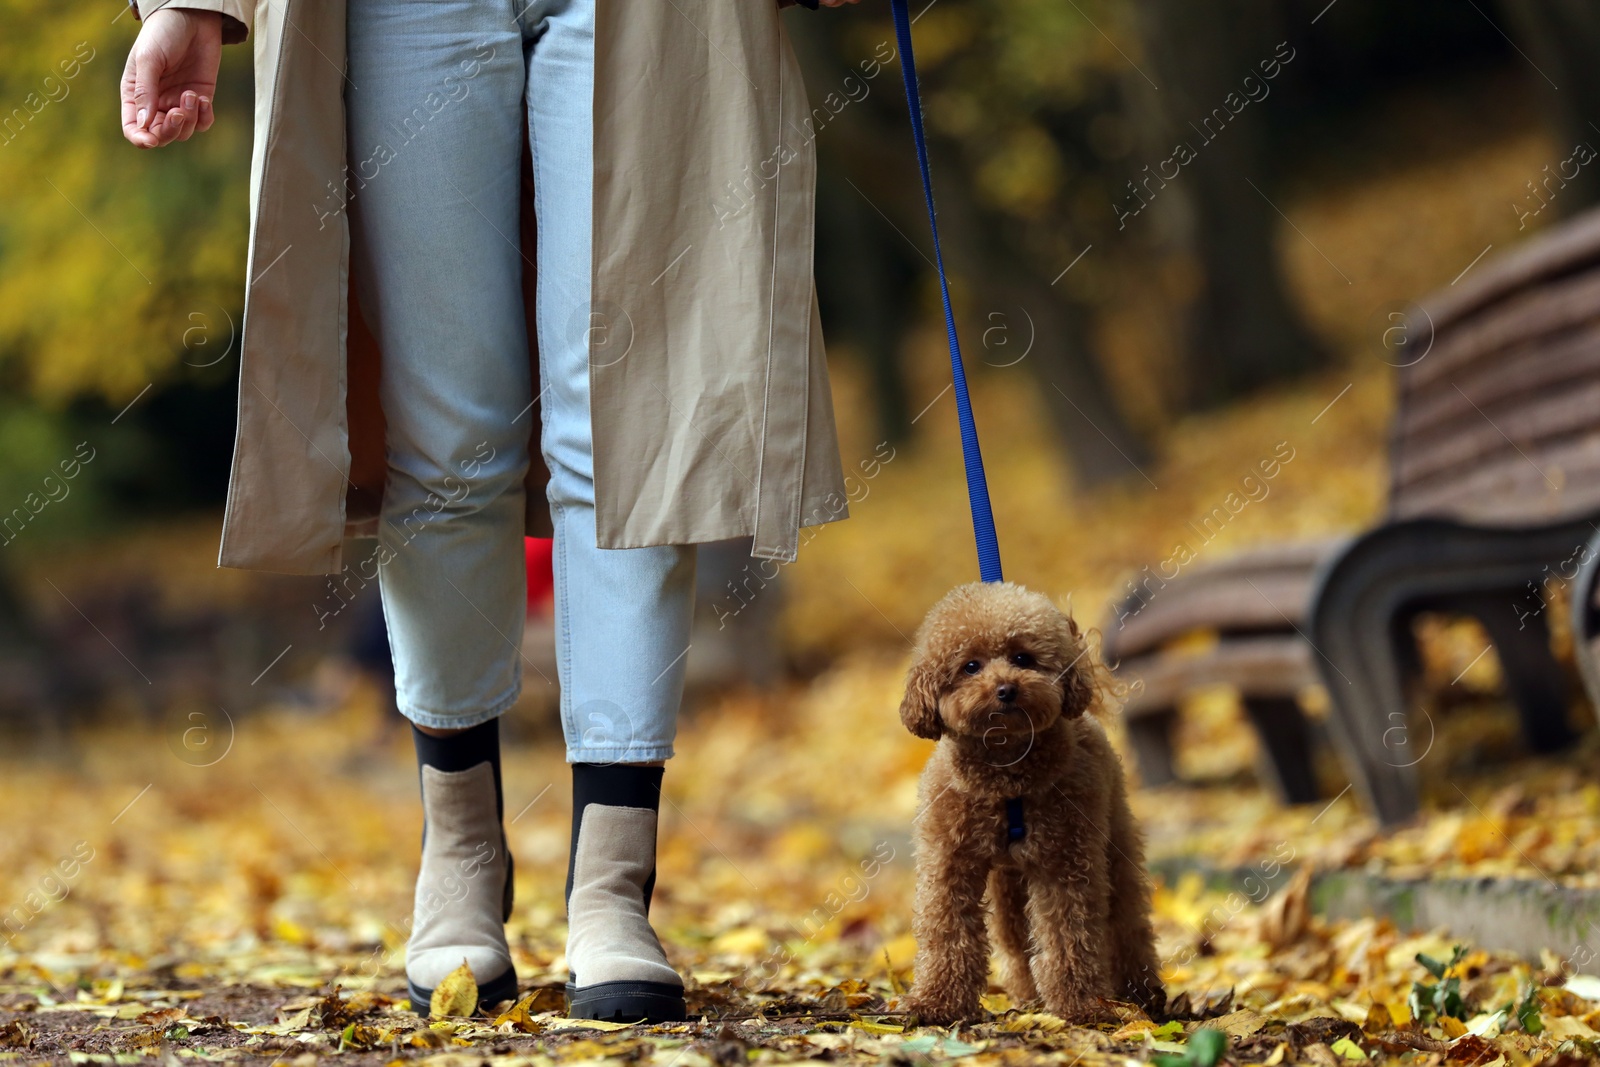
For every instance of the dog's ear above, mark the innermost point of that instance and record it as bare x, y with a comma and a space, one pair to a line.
1076, 694
919, 709
1077, 691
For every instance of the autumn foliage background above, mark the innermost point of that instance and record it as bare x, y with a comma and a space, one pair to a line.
197, 828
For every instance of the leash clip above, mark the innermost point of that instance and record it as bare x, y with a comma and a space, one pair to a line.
1016, 829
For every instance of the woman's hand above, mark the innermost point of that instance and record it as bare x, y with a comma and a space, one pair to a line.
171, 77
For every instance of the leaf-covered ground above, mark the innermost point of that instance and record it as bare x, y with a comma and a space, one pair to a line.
255, 908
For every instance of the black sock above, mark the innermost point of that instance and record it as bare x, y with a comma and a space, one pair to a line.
462, 752
616, 785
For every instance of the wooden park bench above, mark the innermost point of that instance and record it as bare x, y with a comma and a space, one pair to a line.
1253, 603
1494, 495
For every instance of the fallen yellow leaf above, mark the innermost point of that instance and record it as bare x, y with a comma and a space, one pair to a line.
872, 1027
995, 1002
1348, 1049
456, 994
744, 941
520, 1015
1134, 1030
1034, 1020
1241, 1023
1285, 917
586, 1024
1562, 1027
901, 952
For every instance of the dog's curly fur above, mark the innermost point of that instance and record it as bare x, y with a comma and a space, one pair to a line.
1003, 680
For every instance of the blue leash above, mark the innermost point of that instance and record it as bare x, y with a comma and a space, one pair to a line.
977, 485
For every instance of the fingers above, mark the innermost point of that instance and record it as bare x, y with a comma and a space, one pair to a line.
188, 111
178, 123
194, 114
169, 127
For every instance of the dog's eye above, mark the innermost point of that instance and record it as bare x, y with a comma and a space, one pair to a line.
1022, 659
972, 666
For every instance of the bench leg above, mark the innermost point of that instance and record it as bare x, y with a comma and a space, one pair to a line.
1358, 634
1367, 656
1286, 747
1150, 735
1534, 678
1585, 620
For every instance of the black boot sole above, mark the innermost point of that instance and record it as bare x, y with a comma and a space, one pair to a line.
627, 1002
489, 993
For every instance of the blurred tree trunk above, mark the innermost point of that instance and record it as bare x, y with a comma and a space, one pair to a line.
1014, 293
865, 273
1243, 331
866, 153
864, 284
40, 685
1562, 38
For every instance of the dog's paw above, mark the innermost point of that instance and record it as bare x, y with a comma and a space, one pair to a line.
938, 1011
1083, 1011
1150, 996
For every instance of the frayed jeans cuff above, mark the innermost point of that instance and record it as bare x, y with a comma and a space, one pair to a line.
614, 754
462, 720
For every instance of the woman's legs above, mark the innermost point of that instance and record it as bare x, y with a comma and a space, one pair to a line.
434, 101
622, 615
435, 138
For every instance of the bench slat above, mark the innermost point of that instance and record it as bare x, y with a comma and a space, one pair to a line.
1533, 436
1562, 251
1510, 379
1261, 590
1528, 319
1515, 489
1256, 666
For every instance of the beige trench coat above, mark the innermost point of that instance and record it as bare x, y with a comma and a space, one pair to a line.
710, 405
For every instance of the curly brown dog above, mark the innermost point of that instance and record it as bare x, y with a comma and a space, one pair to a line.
1023, 797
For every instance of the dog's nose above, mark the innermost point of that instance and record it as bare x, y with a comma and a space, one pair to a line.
1006, 692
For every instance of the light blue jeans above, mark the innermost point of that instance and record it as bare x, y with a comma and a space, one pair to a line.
435, 106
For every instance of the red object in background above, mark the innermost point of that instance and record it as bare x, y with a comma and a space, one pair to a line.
541, 575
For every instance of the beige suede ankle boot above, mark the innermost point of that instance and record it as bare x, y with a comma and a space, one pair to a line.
463, 894
619, 971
